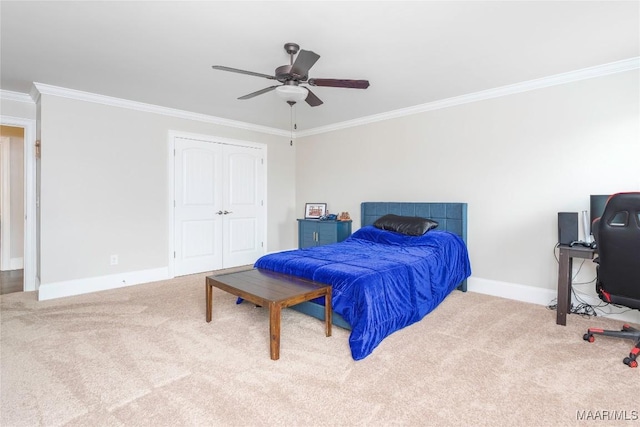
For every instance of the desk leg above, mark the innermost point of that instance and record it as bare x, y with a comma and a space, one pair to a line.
564, 287
208, 298
328, 312
274, 330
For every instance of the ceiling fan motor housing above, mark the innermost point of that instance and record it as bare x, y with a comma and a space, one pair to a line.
284, 74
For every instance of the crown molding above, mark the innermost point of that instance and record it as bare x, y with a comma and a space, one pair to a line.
557, 79
15, 96
44, 89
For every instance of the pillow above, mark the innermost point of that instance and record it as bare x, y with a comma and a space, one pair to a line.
409, 225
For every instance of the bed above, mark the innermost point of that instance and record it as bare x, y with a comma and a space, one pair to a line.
382, 280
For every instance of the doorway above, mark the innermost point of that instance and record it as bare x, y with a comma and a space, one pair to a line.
11, 209
21, 266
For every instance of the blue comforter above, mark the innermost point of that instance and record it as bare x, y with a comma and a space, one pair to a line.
382, 281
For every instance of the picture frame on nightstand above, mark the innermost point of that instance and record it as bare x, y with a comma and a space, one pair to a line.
314, 210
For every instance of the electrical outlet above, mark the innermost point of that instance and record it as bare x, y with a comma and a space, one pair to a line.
114, 259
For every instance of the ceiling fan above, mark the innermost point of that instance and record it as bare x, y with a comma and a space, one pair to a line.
293, 75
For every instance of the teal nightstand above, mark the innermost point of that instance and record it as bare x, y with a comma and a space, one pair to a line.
313, 232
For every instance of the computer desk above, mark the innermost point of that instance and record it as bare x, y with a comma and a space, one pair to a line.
565, 257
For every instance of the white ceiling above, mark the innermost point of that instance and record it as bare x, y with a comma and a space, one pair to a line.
411, 52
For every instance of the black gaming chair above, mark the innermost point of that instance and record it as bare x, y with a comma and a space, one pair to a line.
617, 234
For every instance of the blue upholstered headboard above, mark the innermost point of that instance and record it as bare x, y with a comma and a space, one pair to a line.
450, 216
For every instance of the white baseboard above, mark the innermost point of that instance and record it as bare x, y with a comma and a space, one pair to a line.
513, 291
16, 263
540, 296
48, 291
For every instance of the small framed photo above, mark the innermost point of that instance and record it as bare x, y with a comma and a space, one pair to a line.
314, 210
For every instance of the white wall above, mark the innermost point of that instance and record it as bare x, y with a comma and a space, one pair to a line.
22, 109
516, 160
17, 197
104, 188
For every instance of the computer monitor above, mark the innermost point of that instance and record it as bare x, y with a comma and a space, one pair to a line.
596, 207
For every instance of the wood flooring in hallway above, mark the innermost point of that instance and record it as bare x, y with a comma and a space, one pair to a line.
11, 281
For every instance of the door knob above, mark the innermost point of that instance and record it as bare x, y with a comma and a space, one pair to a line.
227, 212
219, 213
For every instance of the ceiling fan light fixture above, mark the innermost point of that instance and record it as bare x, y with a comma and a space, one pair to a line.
292, 93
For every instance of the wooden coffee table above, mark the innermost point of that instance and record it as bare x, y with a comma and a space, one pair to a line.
273, 290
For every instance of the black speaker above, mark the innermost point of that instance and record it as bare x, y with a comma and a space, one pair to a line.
567, 227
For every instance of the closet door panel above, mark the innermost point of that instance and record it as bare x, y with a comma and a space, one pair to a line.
244, 202
198, 201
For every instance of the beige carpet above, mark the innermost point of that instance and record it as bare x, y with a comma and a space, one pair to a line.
144, 355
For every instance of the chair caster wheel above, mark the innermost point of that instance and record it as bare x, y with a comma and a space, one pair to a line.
630, 362
588, 337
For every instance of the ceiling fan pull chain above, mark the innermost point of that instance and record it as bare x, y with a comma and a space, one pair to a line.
291, 124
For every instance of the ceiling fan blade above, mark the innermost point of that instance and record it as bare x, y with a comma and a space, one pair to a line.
235, 70
259, 92
350, 84
304, 61
312, 99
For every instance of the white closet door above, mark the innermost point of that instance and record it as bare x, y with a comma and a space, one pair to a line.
198, 206
243, 200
